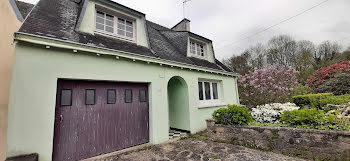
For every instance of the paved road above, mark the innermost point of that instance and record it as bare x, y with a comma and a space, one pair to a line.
199, 150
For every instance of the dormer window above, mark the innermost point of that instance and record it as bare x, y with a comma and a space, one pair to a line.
196, 49
113, 25
104, 22
125, 28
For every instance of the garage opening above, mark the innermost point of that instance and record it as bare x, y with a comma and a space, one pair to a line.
179, 120
95, 117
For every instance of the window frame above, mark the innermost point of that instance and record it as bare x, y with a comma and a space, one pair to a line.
145, 95
86, 97
115, 96
197, 49
131, 99
116, 17
212, 101
71, 97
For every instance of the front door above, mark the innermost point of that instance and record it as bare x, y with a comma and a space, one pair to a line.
94, 117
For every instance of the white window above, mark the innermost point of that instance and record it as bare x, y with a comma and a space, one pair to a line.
115, 26
196, 49
208, 90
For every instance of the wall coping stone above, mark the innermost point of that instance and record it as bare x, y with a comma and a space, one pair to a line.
303, 130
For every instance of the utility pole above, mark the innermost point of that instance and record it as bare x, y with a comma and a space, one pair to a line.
184, 7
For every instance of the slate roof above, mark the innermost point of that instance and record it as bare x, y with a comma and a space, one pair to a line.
24, 8
58, 19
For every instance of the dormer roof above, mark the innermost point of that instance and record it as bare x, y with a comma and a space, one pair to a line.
57, 20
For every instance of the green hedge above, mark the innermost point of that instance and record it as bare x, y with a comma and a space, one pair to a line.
233, 115
313, 119
310, 100
335, 100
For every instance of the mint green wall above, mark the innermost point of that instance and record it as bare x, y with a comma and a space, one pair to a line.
178, 104
88, 22
33, 93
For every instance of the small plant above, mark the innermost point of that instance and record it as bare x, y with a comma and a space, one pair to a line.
233, 115
310, 100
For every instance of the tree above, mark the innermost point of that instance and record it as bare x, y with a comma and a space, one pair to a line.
256, 59
304, 59
326, 53
238, 64
305, 51
282, 51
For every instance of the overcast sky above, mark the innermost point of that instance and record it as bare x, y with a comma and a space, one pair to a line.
228, 21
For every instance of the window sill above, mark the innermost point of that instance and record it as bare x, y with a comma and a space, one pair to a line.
210, 105
115, 36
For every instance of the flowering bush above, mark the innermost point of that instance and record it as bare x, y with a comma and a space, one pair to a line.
326, 73
273, 84
338, 85
271, 113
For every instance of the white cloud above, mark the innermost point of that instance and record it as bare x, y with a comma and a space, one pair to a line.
226, 21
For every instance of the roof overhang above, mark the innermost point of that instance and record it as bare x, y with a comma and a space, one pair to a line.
74, 46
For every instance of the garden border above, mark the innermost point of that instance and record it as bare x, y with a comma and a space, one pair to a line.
305, 143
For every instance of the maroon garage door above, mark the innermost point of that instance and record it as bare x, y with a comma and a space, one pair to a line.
94, 118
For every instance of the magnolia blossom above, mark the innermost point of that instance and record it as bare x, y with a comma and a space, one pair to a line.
269, 85
271, 113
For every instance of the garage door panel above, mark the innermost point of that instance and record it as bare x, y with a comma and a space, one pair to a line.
83, 131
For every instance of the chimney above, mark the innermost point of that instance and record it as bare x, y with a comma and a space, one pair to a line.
183, 25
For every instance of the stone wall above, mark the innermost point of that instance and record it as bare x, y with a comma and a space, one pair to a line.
306, 143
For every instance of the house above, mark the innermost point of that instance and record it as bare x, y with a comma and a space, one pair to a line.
12, 14
93, 77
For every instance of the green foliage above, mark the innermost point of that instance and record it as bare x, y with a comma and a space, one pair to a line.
335, 100
313, 119
304, 117
233, 115
338, 85
305, 74
310, 100
302, 90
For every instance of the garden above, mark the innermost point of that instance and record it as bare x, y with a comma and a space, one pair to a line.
311, 119
273, 97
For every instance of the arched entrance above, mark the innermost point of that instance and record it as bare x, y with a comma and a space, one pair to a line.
179, 117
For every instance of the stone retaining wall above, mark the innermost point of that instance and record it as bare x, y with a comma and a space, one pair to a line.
306, 143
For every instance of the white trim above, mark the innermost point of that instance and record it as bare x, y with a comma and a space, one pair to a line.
210, 102
218, 104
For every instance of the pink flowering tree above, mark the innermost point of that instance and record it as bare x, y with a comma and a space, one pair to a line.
273, 84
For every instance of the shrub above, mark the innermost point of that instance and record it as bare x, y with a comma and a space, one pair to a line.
338, 85
303, 118
271, 113
273, 84
326, 73
302, 90
233, 115
313, 119
310, 100
335, 100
